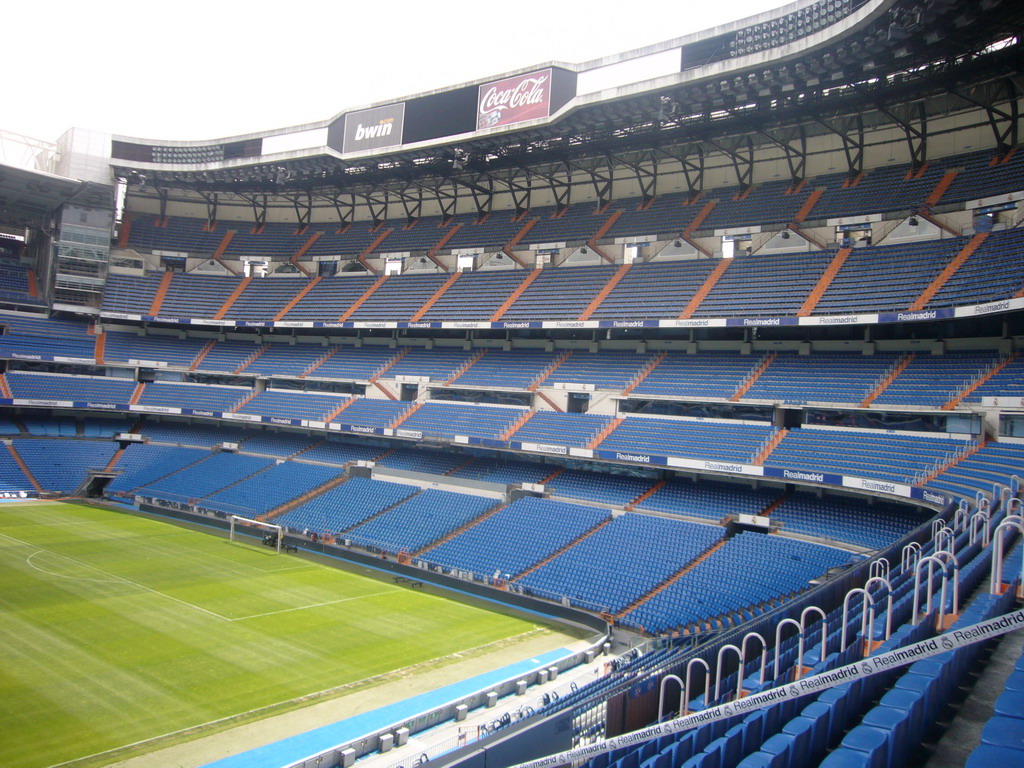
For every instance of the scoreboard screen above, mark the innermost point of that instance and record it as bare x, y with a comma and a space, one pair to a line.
186, 155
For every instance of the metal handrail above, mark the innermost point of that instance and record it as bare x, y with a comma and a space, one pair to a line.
1010, 522
940, 560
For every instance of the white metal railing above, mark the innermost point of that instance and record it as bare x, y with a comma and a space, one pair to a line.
867, 622
949, 567
1009, 523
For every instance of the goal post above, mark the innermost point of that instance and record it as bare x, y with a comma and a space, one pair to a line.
272, 535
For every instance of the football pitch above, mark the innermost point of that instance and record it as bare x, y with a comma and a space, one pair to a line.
117, 629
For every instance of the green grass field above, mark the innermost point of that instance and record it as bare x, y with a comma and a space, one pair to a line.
116, 629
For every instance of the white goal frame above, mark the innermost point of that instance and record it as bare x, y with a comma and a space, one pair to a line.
248, 522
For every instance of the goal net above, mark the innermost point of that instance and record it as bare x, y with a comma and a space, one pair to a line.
271, 535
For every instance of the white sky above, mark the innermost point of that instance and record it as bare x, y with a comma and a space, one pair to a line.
189, 70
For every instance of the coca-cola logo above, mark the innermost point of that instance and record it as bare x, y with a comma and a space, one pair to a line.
514, 100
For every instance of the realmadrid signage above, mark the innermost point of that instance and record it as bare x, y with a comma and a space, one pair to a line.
514, 100
374, 128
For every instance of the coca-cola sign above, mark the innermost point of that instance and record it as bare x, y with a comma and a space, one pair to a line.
514, 99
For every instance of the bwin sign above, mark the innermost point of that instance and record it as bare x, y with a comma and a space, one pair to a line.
381, 129
374, 128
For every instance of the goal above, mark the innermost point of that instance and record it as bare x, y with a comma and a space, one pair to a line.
272, 535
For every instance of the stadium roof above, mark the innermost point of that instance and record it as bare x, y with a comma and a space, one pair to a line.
29, 198
814, 67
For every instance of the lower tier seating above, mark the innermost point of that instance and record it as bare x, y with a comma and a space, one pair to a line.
62, 465
422, 519
621, 562
517, 537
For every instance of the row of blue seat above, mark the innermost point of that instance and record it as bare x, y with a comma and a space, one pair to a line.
873, 279
838, 727
929, 380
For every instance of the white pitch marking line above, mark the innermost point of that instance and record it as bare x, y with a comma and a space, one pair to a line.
33, 566
298, 699
313, 605
113, 577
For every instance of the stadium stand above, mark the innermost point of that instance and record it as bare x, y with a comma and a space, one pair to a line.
349, 240
176, 233
230, 356
864, 454
131, 295
756, 284
16, 285
399, 298
870, 526
763, 204
707, 499
1006, 382
12, 477
213, 397
334, 451
515, 369
346, 506
51, 327
420, 520
607, 571
128, 347
439, 365
196, 481
492, 470
883, 189
61, 465
144, 464
791, 378
352, 363
877, 286
516, 537
330, 298
372, 413
198, 295
285, 360
475, 296
293, 405
42, 386
803, 731
34, 347
551, 428
980, 471
283, 445
661, 288
603, 370
180, 433
992, 272
449, 419
749, 569
418, 460
934, 380
60, 426
677, 437
613, 490
100, 426
878, 277
264, 491
702, 375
